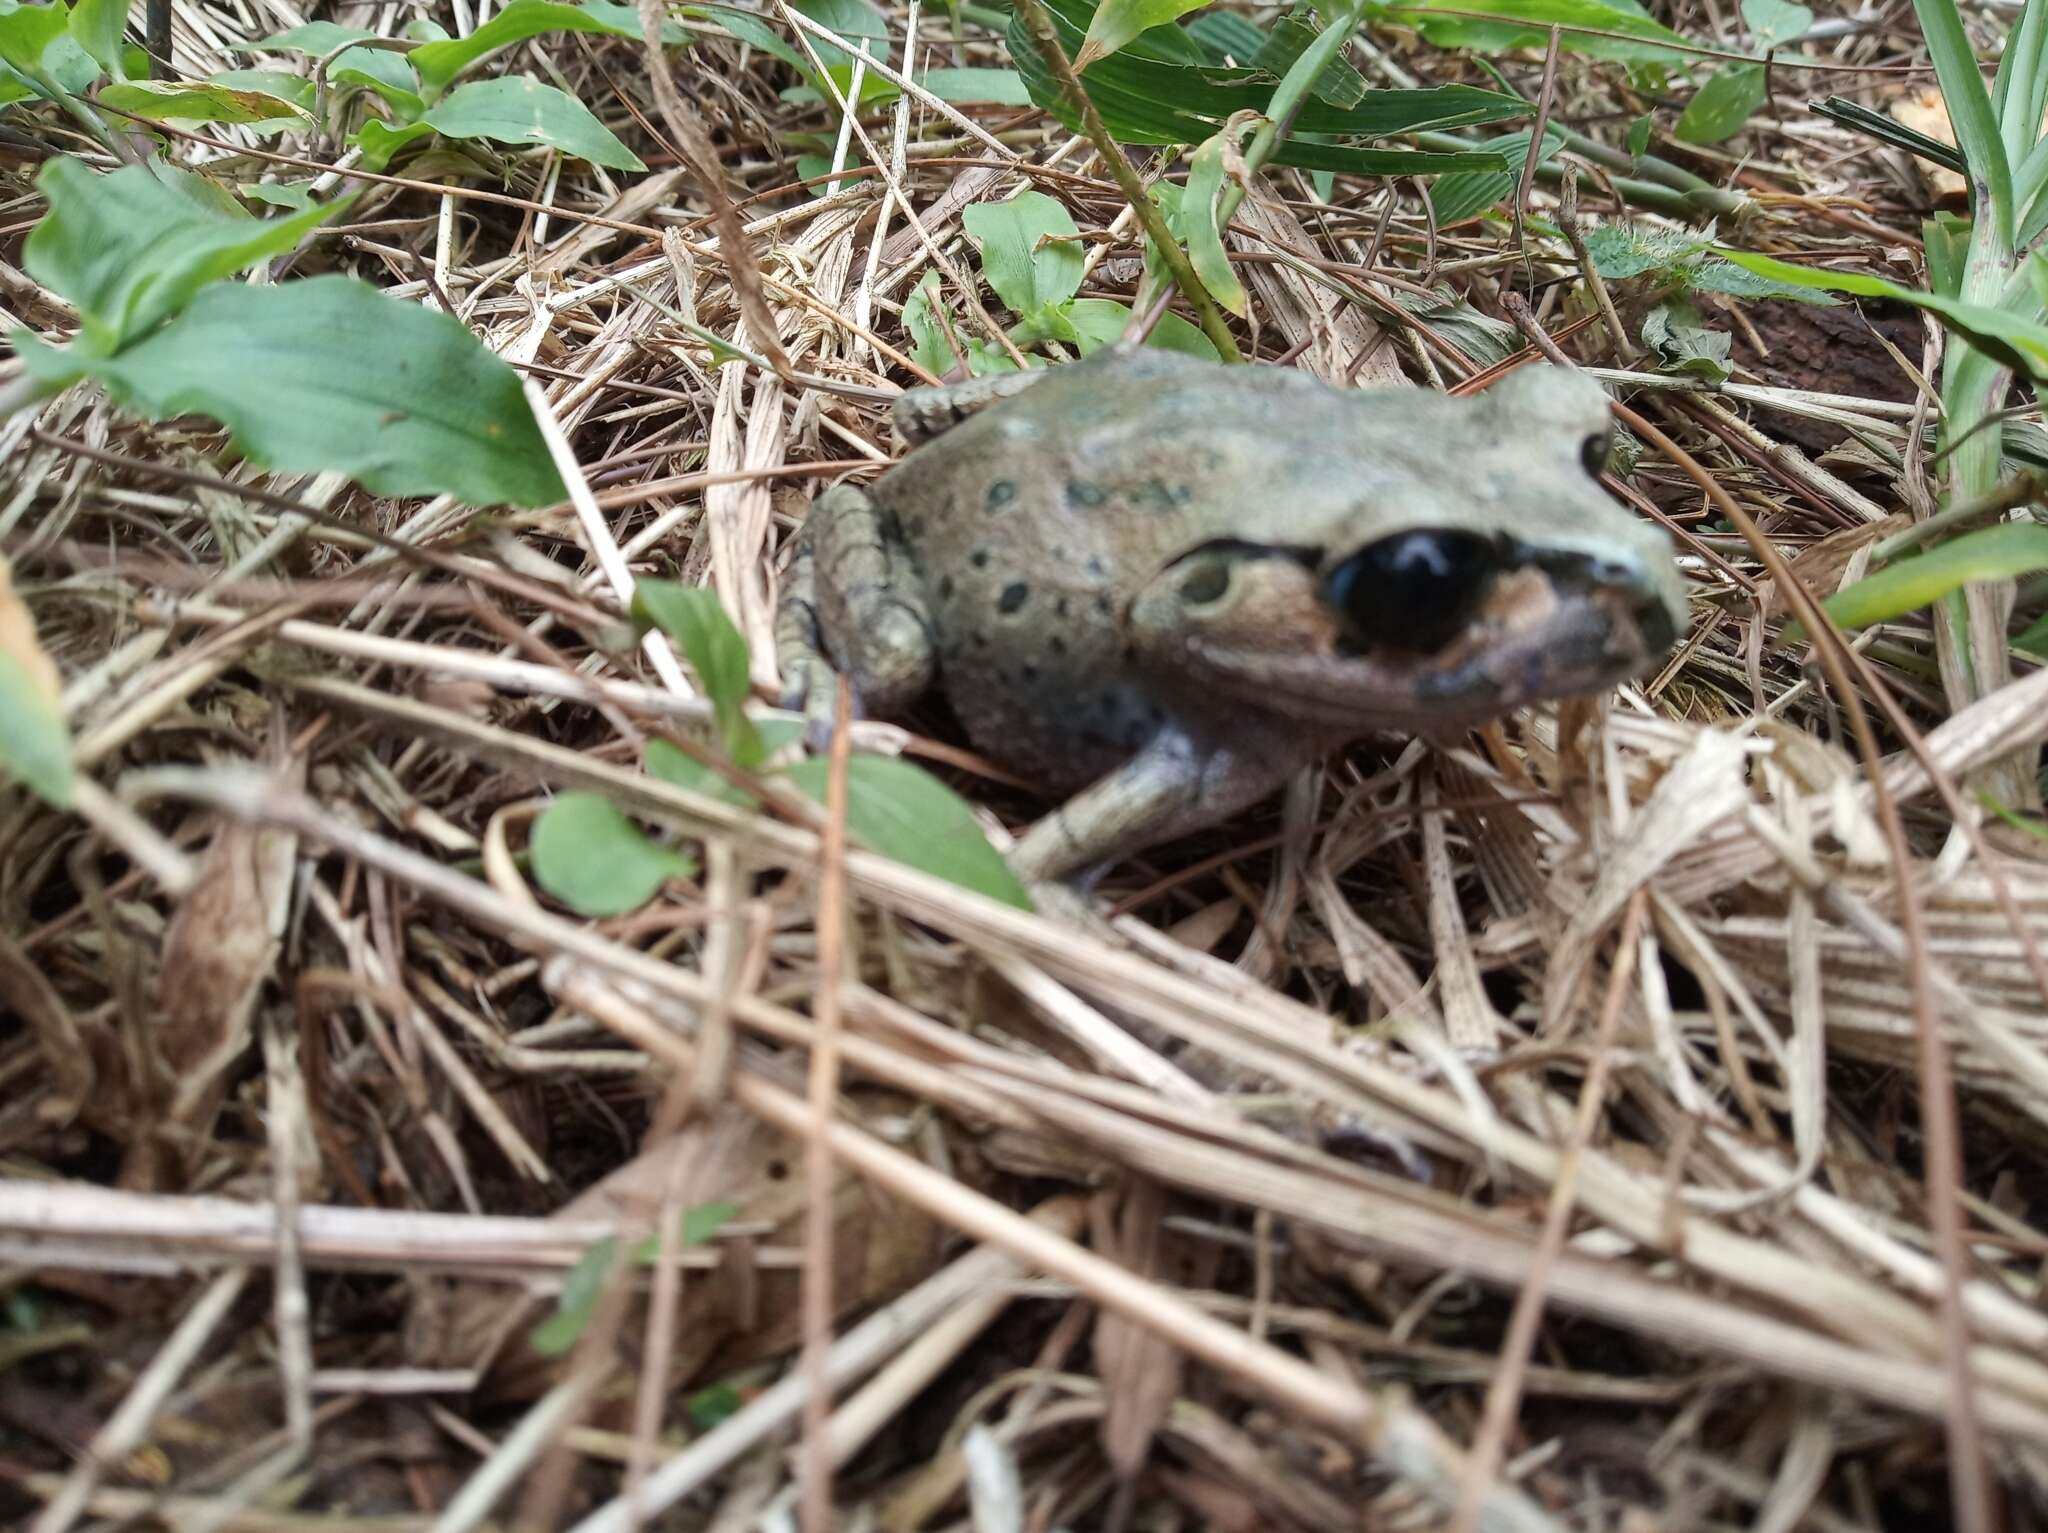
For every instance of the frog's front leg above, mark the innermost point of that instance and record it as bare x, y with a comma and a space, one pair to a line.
922, 414
855, 603
1177, 783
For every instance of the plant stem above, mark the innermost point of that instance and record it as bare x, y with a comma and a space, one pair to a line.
1047, 38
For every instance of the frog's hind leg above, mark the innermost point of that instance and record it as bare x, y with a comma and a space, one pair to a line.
922, 414
854, 603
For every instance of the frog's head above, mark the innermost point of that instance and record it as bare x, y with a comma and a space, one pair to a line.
1463, 560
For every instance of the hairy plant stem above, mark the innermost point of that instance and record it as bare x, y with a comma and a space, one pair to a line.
1043, 33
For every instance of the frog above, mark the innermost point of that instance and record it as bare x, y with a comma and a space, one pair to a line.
1160, 586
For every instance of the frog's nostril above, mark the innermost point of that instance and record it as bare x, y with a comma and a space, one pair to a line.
1414, 591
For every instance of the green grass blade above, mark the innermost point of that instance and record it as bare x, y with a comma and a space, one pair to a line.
1996, 553
1969, 112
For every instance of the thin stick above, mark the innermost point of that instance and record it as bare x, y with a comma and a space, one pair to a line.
815, 1464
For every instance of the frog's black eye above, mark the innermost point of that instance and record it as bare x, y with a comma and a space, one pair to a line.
1414, 591
1593, 452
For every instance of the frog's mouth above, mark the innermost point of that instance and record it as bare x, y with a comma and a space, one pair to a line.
1421, 627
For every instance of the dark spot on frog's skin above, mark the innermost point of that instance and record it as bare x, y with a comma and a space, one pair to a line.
1164, 496
1096, 568
1000, 494
1082, 493
1102, 603
1060, 608
1027, 674
1015, 594
979, 558
1057, 644
980, 641
945, 588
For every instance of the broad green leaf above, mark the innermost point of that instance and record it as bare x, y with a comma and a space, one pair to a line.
198, 101
328, 374
709, 1406
903, 812
1339, 83
1621, 251
1772, 22
1598, 29
695, 619
1197, 226
385, 74
1023, 253
990, 87
440, 63
1969, 112
379, 141
27, 30
1639, 135
1116, 22
34, 749
96, 26
582, 1285
682, 770
1225, 37
131, 248
1456, 198
1099, 322
518, 109
296, 196
2011, 337
594, 860
1723, 105
1160, 89
1995, 553
920, 318
695, 1228
2035, 640
1711, 274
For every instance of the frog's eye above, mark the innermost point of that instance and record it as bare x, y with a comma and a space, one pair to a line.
1414, 591
1593, 452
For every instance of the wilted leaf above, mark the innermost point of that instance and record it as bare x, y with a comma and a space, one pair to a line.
696, 620
1030, 250
34, 747
328, 374
1683, 345
594, 860
903, 812
132, 248
1197, 226
198, 101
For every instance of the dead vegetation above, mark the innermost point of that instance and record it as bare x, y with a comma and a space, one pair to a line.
1578, 1176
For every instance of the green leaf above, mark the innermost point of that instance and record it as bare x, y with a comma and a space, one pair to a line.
385, 74
1970, 114
1198, 229
976, 87
1772, 22
695, 619
1099, 322
582, 1285
696, 1227
594, 860
1338, 82
2035, 640
677, 767
1601, 30
1995, 553
96, 26
328, 374
34, 748
920, 318
1723, 105
708, 1407
518, 109
296, 196
1160, 90
131, 248
1023, 253
1621, 251
1683, 345
2012, 338
1116, 22
1713, 275
281, 83
1456, 198
439, 63
1639, 135
27, 30
198, 101
905, 813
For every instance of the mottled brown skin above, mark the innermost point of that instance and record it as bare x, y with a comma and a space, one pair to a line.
1124, 574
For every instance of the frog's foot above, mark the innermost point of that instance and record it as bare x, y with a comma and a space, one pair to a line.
1175, 784
922, 414
852, 603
